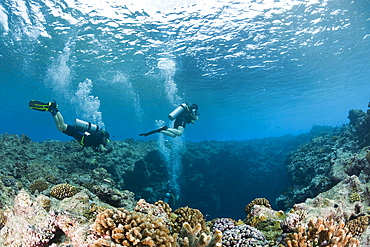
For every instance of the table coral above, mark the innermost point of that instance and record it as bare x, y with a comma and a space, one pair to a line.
62, 191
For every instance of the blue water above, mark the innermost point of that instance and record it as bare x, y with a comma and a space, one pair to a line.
255, 68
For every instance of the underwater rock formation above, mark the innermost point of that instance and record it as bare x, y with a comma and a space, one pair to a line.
330, 157
38, 167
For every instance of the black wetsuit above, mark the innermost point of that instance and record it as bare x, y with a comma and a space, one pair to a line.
93, 140
184, 118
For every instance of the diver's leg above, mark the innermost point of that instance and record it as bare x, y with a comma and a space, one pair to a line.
168, 133
173, 132
59, 122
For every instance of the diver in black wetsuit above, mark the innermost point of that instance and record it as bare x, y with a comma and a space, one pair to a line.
184, 114
87, 134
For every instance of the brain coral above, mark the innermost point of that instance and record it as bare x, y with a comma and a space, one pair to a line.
62, 191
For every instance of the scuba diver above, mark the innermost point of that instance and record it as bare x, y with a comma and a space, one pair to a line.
87, 134
184, 114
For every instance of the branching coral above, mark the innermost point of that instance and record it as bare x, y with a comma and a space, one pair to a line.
357, 226
191, 237
189, 215
125, 228
132, 228
320, 233
165, 206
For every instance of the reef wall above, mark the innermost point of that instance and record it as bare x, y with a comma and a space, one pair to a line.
329, 158
219, 178
251, 168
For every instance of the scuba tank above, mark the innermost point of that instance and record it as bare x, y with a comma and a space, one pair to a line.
167, 198
175, 113
86, 126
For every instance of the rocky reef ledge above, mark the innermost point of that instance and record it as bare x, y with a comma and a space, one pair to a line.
54, 194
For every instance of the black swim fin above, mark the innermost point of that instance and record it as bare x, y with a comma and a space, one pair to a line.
40, 106
154, 131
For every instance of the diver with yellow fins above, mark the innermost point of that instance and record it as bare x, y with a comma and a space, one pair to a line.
183, 114
87, 134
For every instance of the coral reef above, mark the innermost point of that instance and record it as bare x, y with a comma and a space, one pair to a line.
192, 237
257, 201
354, 197
157, 210
330, 157
223, 224
234, 234
290, 223
2, 218
358, 226
63, 162
38, 185
88, 203
114, 196
243, 235
322, 233
132, 228
32, 224
62, 191
190, 216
